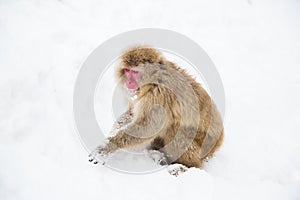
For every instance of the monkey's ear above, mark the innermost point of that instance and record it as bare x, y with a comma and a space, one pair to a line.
119, 72
162, 61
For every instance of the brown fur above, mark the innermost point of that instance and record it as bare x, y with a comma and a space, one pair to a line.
185, 138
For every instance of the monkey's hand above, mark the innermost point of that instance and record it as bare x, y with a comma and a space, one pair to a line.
108, 149
158, 157
101, 151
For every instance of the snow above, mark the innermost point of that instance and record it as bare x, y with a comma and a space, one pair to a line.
254, 44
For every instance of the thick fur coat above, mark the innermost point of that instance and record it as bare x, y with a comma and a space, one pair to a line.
170, 111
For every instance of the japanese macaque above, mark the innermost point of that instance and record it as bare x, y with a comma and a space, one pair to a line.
168, 111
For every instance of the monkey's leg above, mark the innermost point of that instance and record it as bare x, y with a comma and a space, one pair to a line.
154, 153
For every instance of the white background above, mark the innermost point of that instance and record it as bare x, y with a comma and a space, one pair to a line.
254, 44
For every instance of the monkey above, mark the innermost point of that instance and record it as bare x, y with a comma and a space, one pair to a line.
168, 111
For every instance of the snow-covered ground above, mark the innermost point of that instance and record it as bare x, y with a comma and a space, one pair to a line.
254, 44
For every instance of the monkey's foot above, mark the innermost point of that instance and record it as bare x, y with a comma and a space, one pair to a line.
177, 169
158, 157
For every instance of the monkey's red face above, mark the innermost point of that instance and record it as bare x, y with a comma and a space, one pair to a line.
131, 78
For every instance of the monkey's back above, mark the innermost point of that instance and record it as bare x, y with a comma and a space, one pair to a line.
206, 138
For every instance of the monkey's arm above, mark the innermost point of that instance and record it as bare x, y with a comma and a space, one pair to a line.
121, 140
122, 121
138, 132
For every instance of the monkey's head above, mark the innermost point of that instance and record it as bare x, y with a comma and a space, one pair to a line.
138, 66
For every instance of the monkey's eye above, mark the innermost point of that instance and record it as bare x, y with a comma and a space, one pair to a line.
126, 70
135, 72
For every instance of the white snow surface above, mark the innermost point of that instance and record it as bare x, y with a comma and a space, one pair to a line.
254, 44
